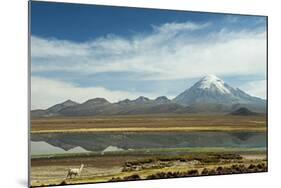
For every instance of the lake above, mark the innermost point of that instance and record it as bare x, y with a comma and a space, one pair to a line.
83, 142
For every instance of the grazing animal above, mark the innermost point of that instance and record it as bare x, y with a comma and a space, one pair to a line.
75, 171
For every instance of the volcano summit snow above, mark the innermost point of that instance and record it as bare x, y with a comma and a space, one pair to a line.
212, 93
212, 82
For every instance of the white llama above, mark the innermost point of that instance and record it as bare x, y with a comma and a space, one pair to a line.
75, 171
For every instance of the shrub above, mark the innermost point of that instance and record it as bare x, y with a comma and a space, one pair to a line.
227, 170
260, 166
63, 182
152, 176
252, 166
193, 173
212, 172
219, 168
161, 175
115, 179
205, 171
132, 177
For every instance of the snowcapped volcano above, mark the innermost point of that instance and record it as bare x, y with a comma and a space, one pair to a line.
212, 92
212, 82
209, 94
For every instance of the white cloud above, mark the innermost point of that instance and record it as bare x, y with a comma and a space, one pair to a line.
47, 92
174, 27
255, 88
169, 52
50, 48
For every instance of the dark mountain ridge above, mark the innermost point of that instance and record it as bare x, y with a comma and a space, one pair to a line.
209, 94
243, 112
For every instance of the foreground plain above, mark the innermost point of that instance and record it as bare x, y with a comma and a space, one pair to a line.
148, 163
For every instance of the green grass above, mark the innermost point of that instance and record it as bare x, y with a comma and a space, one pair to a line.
154, 151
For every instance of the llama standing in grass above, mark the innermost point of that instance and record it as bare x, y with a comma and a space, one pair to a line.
75, 171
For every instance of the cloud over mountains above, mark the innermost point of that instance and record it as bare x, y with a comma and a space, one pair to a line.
171, 51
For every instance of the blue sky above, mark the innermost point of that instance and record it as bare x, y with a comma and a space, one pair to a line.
85, 51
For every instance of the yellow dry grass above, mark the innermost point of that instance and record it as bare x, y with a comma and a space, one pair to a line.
149, 123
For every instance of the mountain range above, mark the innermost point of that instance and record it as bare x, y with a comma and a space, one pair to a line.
209, 94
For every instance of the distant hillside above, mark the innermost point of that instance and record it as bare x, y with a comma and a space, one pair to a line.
243, 112
53, 110
58, 107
